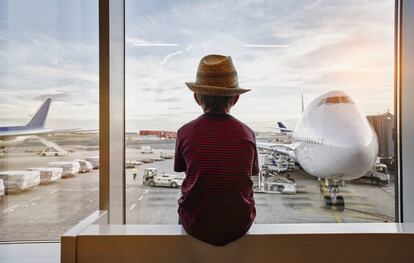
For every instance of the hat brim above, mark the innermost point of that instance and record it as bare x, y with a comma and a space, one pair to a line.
214, 90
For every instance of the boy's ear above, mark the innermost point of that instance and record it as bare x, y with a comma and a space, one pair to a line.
235, 99
196, 99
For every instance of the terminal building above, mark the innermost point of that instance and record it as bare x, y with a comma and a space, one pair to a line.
159, 134
383, 125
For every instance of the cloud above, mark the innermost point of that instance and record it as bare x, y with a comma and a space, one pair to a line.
38, 66
328, 45
172, 99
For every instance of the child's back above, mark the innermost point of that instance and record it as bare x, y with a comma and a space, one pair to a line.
218, 154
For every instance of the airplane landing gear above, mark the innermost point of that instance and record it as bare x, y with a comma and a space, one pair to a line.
330, 198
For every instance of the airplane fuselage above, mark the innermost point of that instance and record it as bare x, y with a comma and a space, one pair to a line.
335, 140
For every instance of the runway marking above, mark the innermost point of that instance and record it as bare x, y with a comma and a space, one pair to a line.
146, 191
140, 198
10, 209
338, 218
132, 206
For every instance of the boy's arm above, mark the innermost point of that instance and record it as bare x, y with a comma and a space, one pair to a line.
179, 162
256, 168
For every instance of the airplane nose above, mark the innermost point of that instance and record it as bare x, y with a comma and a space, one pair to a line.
355, 153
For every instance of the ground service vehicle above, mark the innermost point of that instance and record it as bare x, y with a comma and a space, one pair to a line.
271, 182
377, 176
152, 178
146, 149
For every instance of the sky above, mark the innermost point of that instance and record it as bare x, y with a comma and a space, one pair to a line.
49, 48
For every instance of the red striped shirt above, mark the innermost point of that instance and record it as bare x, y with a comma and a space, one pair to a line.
218, 154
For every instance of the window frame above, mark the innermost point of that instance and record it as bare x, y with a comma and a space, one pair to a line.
405, 108
112, 186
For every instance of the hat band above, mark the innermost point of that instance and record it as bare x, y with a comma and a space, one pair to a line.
217, 78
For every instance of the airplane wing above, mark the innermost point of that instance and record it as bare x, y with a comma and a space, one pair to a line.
286, 149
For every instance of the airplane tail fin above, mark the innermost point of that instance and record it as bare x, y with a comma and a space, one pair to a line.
281, 125
283, 128
39, 118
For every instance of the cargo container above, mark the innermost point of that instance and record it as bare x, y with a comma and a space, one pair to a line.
17, 181
1, 188
85, 166
94, 160
48, 174
70, 169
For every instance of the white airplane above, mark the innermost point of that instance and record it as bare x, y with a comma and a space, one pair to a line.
333, 141
15, 135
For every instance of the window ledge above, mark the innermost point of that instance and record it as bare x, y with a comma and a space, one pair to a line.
95, 241
258, 229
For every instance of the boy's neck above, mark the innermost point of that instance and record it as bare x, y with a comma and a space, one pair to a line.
216, 112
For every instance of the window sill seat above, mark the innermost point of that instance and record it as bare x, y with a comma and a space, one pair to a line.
94, 241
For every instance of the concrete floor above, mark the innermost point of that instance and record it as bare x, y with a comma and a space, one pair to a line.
364, 203
46, 212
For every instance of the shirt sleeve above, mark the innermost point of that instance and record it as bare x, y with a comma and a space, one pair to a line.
179, 162
256, 168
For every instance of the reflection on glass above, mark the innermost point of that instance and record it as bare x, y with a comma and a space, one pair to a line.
48, 117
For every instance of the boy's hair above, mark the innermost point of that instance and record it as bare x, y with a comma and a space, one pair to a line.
216, 103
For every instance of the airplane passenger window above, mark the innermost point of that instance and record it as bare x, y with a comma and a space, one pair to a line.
49, 142
318, 164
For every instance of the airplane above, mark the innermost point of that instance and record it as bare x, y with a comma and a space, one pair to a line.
15, 135
332, 141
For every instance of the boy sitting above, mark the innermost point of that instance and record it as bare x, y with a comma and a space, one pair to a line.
218, 154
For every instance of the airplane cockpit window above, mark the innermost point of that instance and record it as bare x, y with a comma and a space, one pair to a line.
336, 100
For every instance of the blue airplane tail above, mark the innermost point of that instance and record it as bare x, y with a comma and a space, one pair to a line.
281, 125
39, 118
283, 128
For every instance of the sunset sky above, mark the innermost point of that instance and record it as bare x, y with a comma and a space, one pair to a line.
280, 49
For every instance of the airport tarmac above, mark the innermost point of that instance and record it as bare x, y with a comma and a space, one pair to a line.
45, 212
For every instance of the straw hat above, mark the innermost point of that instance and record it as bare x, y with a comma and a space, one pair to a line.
216, 76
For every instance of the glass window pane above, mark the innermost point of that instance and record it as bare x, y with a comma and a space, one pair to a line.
48, 116
282, 50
